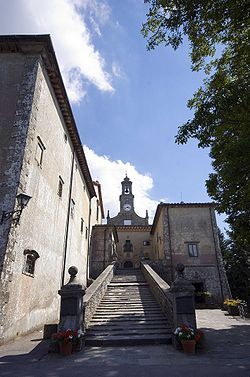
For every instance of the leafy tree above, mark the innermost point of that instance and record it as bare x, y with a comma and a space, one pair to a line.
237, 270
219, 37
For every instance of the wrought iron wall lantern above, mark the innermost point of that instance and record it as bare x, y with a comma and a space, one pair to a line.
22, 200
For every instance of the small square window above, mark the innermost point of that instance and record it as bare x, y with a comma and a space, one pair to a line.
127, 222
146, 243
40, 148
30, 257
60, 187
193, 249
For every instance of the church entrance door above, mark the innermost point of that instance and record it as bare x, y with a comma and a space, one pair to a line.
128, 264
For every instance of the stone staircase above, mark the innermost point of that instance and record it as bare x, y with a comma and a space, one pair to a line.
128, 314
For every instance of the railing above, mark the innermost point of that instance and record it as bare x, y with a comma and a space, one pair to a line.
160, 290
96, 291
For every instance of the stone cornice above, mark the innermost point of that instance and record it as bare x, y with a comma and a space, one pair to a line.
134, 228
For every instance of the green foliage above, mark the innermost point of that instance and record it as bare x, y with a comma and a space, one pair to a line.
219, 38
236, 266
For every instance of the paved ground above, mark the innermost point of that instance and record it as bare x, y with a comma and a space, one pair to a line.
226, 353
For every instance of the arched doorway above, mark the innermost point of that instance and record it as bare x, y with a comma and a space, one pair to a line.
128, 264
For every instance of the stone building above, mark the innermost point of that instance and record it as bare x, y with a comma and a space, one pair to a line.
41, 156
181, 233
132, 230
187, 233
51, 211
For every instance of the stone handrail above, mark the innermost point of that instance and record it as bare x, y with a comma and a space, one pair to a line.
96, 291
160, 290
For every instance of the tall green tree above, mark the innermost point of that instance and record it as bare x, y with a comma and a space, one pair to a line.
236, 266
218, 32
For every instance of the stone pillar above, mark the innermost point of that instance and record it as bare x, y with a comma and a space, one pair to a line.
183, 300
72, 308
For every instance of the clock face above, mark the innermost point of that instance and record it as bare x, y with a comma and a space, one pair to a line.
127, 207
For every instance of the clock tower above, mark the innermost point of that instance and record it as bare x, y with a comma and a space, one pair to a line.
127, 215
126, 198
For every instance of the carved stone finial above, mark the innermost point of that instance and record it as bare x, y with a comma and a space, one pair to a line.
180, 269
73, 270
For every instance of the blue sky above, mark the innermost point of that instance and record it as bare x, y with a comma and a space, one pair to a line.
127, 102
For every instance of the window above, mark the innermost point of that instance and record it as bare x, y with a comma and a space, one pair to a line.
65, 138
126, 190
82, 224
40, 148
146, 243
60, 187
86, 232
72, 208
127, 246
193, 249
30, 257
127, 222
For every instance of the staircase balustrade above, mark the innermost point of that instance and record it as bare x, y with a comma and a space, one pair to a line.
96, 291
160, 290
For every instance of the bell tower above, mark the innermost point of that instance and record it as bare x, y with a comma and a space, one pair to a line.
127, 215
126, 198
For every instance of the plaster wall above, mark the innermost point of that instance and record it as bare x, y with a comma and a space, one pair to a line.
191, 225
18, 78
32, 301
102, 250
136, 237
158, 240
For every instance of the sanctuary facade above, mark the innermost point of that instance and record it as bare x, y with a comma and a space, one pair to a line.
181, 233
52, 211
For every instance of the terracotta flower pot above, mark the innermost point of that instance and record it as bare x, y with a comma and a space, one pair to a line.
65, 348
233, 310
188, 346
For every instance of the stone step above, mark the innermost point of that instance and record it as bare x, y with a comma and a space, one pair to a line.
131, 340
123, 318
127, 332
111, 306
131, 325
128, 315
126, 310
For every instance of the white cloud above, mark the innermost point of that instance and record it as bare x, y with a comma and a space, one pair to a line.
116, 69
110, 174
65, 20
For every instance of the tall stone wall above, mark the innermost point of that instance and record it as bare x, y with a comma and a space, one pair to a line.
50, 224
18, 80
102, 248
